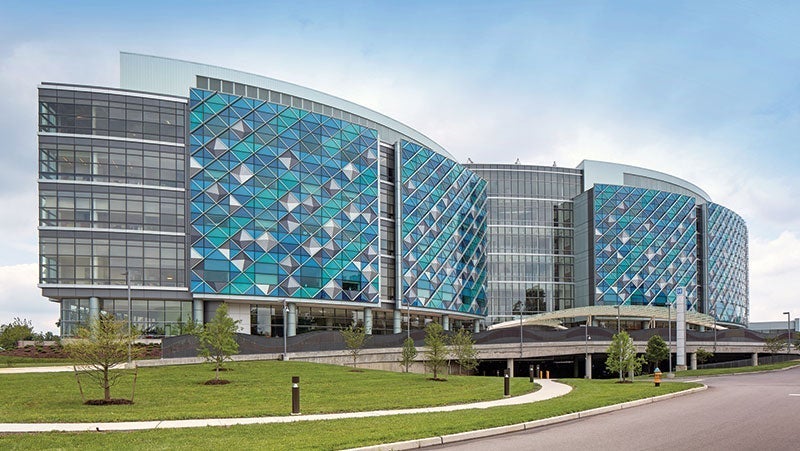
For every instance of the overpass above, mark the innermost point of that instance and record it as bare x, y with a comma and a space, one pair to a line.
505, 347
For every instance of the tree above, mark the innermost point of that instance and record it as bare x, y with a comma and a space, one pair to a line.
354, 338
703, 355
408, 354
436, 350
98, 349
463, 350
774, 345
656, 351
19, 329
622, 356
218, 339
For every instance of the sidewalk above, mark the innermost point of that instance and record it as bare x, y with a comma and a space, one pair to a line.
550, 389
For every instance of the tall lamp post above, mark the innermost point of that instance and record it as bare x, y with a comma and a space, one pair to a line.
127, 274
669, 335
408, 313
588, 374
789, 330
714, 316
520, 333
620, 343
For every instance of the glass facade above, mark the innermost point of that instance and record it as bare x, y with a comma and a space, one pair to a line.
284, 201
644, 246
443, 234
530, 240
112, 198
727, 281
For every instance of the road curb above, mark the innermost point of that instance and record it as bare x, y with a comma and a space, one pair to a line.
483, 433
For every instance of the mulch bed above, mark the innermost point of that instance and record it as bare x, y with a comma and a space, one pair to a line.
108, 402
216, 382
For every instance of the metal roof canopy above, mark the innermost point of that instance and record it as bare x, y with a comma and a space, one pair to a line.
639, 312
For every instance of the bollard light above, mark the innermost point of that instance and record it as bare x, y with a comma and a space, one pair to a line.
530, 372
506, 383
295, 395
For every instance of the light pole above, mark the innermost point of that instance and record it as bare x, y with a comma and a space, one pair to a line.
789, 330
714, 316
669, 335
127, 274
520, 333
620, 344
588, 374
408, 313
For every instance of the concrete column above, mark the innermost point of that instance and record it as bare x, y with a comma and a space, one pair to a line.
476, 326
575, 368
367, 320
693, 360
630, 374
329, 323
94, 308
754, 359
510, 366
588, 368
197, 311
446, 322
291, 319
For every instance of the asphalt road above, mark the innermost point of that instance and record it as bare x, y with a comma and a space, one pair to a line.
745, 412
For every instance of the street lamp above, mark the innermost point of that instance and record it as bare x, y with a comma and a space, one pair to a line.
669, 335
588, 368
714, 317
408, 313
620, 344
520, 333
789, 330
127, 275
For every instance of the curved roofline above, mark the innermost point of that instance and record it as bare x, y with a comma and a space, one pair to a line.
172, 76
604, 172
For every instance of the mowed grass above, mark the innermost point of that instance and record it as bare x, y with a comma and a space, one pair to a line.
743, 369
349, 433
16, 362
256, 389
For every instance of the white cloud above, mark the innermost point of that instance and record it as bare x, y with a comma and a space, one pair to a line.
774, 270
20, 297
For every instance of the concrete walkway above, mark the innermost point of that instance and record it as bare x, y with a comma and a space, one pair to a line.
550, 389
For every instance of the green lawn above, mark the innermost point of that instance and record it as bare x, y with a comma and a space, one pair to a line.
257, 389
348, 433
743, 369
16, 362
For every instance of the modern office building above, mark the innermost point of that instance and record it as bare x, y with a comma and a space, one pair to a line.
193, 185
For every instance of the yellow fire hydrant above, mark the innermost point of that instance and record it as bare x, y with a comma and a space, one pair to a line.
657, 377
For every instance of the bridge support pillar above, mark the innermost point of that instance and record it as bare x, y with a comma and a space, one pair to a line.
510, 366
397, 322
588, 368
754, 359
693, 361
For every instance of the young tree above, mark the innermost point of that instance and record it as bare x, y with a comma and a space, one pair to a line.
703, 355
656, 351
436, 350
218, 339
10, 334
409, 353
774, 345
354, 338
101, 347
622, 356
463, 350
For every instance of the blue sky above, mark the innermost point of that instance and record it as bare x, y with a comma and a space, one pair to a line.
706, 91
